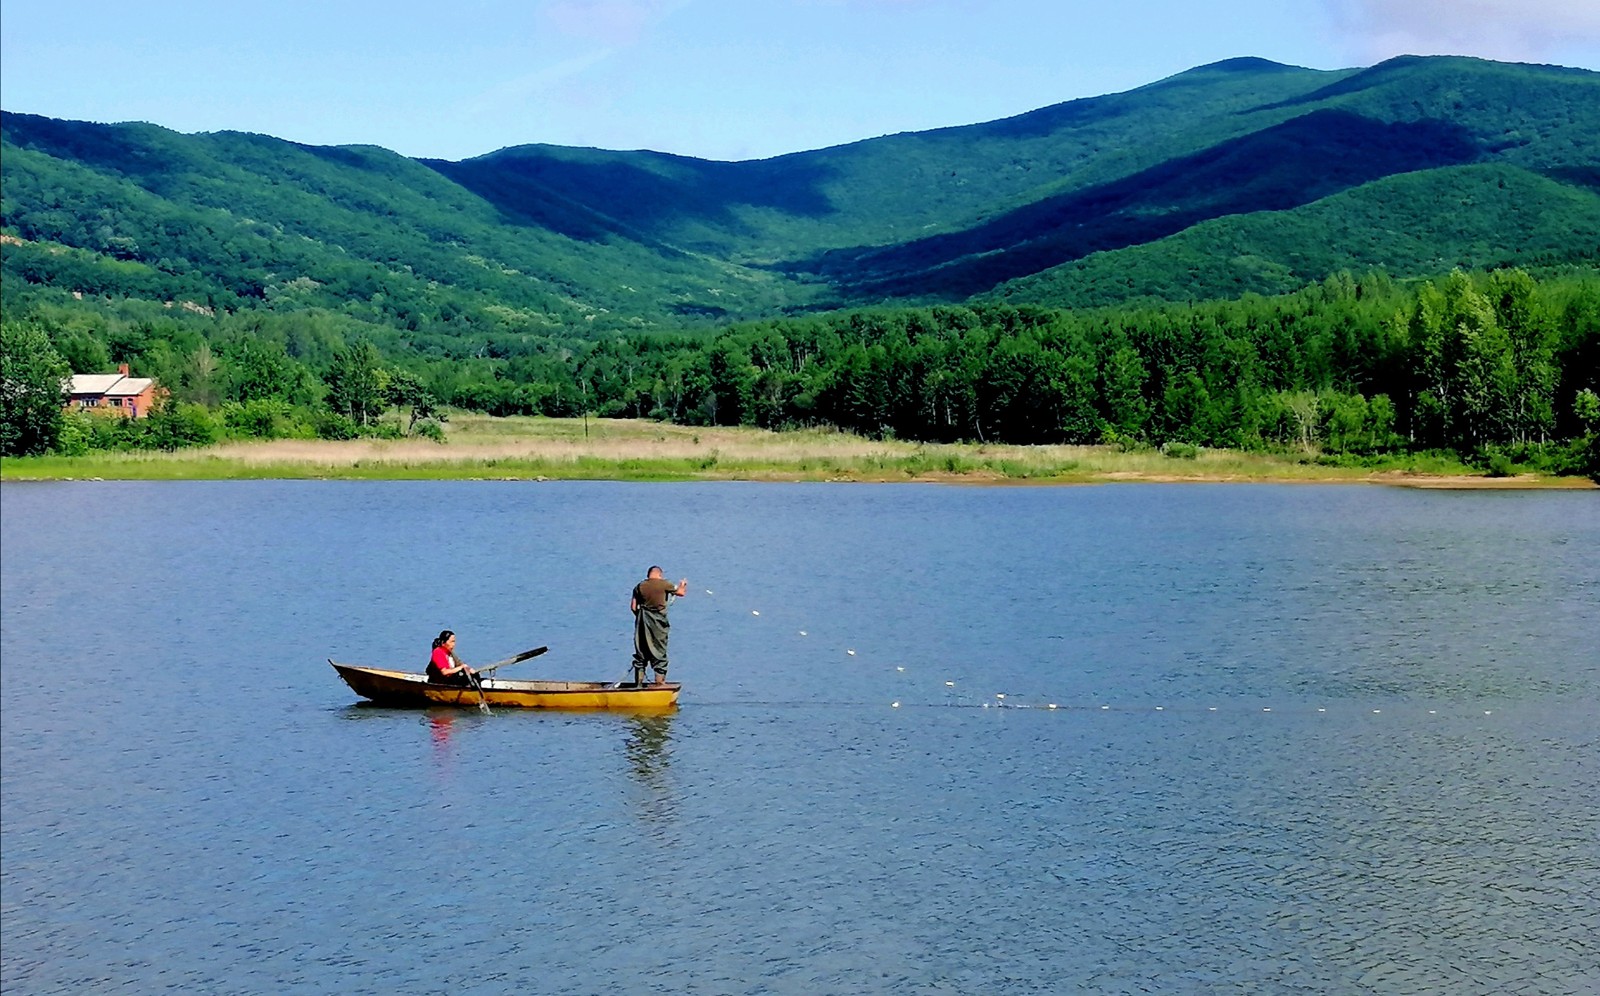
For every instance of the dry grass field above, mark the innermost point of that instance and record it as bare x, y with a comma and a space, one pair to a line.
482, 447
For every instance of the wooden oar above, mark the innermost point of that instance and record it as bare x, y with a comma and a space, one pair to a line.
483, 703
525, 655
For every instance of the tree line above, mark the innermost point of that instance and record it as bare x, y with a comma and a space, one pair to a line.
1497, 365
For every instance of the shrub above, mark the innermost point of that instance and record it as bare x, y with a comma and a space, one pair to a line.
381, 430
259, 418
77, 434
1180, 451
177, 426
1124, 443
333, 425
100, 431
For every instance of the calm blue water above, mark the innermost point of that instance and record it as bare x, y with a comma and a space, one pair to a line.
1306, 740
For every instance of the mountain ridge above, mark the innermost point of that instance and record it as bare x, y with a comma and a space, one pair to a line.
539, 237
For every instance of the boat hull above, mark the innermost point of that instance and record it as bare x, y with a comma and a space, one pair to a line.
409, 690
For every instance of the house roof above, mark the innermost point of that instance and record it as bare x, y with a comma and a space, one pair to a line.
94, 383
129, 387
110, 385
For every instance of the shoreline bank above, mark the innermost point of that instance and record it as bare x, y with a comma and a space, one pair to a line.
485, 448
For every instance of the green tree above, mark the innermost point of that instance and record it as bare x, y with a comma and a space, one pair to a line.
199, 375
1488, 384
356, 383
83, 352
1380, 424
1186, 410
1530, 332
1296, 418
1586, 406
406, 390
1343, 421
1122, 392
1080, 422
32, 390
1465, 358
732, 383
259, 369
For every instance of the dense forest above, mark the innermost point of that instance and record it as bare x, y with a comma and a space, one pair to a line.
1501, 367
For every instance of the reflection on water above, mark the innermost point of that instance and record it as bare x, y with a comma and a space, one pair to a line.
648, 750
439, 722
647, 746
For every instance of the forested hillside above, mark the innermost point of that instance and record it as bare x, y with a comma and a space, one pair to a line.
1287, 162
1426, 222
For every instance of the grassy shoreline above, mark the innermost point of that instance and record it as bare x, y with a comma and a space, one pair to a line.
484, 448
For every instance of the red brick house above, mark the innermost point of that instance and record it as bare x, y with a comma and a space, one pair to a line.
114, 394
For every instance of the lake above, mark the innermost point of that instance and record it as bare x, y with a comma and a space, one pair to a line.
932, 739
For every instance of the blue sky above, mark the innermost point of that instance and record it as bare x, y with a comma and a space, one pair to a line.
719, 79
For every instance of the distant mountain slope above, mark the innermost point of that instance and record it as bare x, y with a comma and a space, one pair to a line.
880, 190
1280, 167
1403, 116
254, 218
1241, 160
1472, 217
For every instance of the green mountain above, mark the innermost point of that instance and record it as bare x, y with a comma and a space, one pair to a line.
1429, 221
1240, 176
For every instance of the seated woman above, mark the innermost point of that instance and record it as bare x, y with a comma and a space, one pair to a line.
445, 668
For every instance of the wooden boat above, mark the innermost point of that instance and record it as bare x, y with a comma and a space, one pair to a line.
404, 688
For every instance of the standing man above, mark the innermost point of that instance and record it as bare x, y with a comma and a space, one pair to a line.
650, 626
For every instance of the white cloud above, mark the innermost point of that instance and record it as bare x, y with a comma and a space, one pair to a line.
516, 93
1508, 30
594, 33
611, 22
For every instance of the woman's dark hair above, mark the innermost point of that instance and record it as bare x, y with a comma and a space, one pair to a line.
444, 635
